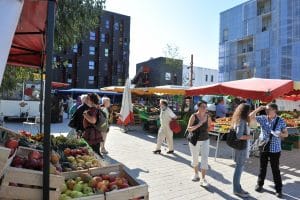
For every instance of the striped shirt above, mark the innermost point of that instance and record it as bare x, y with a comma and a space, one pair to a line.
266, 126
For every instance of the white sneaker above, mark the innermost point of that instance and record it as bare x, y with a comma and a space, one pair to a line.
195, 177
203, 182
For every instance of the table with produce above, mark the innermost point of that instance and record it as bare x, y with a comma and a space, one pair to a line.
75, 170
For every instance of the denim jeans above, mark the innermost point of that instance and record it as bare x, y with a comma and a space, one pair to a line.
240, 158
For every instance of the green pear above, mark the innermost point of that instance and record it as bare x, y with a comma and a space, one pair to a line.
64, 197
76, 194
78, 187
87, 190
63, 188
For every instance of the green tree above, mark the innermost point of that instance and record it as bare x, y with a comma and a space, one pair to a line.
74, 19
14, 75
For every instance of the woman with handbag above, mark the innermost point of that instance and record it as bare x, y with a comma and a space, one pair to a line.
198, 126
240, 121
91, 134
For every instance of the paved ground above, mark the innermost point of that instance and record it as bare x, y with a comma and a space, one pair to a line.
168, 176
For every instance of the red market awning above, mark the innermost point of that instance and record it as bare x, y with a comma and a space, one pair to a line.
29, 43
59, 85
254, 88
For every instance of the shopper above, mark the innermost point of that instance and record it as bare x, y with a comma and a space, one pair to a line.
76, 121
272, 129
91, 134
240, 123
105, 108
220, 109
166, 115
198, 128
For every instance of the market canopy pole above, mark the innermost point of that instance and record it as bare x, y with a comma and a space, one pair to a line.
47, 104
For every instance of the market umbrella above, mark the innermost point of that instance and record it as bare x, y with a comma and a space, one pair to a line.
126, 113
254, 88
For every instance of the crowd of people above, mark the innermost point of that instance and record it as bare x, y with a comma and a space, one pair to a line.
85, 116
273, 128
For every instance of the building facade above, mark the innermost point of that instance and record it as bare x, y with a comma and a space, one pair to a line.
201, 76
158, 71
101, 59
260, 38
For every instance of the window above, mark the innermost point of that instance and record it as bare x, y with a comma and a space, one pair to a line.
107, 24
206, 78
105, 66
91, 80
107, 38
75, 48
106, 52
70, 63
225, 35
92, 36
69, 80
102, 37
91, 64
116, 26
92, 50
211, 78
168, 76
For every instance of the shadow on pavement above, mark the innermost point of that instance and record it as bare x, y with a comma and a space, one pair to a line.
212, 189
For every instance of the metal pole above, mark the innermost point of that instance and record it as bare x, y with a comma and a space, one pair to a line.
191, 75
47, 107
41, 99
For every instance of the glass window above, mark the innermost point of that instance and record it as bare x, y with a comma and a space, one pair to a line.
91, 79
92, 50
75, 48
116, 25
225, 35
168, 76
206, 78
106, 52
102, 37
92, 36
211, 78
70, 63
69, 80
107, 24
91, 64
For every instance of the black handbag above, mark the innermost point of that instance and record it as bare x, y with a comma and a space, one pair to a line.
234, 142
264, 145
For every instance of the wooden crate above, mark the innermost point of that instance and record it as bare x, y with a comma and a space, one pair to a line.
28, 178
31, 180
4, 159
134, 191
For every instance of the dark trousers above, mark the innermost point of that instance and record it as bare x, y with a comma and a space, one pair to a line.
274, 160
96, 149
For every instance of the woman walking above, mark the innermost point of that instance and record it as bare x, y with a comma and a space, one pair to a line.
198, 127
240, 120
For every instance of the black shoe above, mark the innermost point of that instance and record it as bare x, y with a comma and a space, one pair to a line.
157, 151
258, 188
169, 152
279, 194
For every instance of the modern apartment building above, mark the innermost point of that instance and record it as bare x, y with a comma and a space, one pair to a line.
201, 76
158, 71
260, 38
101, 58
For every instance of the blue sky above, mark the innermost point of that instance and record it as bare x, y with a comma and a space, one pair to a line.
191, 25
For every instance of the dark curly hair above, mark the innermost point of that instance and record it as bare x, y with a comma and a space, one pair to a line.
241, 112
94, 98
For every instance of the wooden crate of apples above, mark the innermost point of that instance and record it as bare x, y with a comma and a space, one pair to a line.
24, 178
110, 182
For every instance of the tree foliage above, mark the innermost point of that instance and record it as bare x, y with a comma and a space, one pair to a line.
14, 75
74, 19
172, 55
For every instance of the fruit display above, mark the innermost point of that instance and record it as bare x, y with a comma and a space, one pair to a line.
85, 185
61, 142
27, 141
77, 159
33, 160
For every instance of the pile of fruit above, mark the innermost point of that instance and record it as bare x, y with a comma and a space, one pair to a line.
86, 185
78, 159
12, 144
34, 161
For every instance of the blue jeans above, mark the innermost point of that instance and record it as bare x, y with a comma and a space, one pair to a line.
240, 158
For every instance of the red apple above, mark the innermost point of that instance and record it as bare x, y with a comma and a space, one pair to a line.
12, 143
34, 155
124, 185
67, 152
105, 177
18, 161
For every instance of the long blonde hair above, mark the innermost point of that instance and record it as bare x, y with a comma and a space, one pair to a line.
241, 112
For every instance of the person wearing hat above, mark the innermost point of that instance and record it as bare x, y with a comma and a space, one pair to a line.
166, 115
